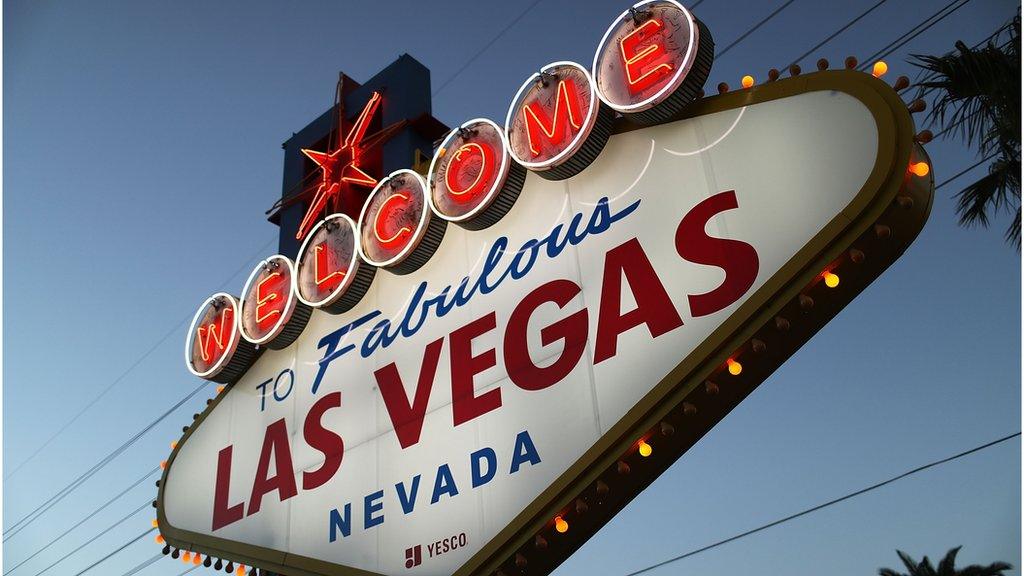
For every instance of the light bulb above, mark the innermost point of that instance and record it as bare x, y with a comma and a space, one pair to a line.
645, 449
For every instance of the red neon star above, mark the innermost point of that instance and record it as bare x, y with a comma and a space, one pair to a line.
341, 167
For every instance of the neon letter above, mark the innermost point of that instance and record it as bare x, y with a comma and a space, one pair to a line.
458, 164
638, 62
386, 210
264, 296
214, 335
322, 263
536, 119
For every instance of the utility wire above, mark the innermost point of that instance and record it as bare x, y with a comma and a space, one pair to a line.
108, 556
64, 492
966, 170
831, 36
29, 518
94, 538
754, 28
497, 37
145, 564
83, 520
825, 504
125, 373
481, 51
914, 32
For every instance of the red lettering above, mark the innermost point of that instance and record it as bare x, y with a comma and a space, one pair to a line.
653, 305
465, 405
567, 112
325, 273
324, 440
645, 66
738, 259
214, 334
275, 443
223, 514
405, 417
383, 222
270, 299
459, 175
572, 330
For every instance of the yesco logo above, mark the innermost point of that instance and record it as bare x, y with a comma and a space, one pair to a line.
414, 555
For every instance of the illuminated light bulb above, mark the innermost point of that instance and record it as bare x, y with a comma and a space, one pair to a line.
831, 279
645, 449
561, 526
163, 464
240, 571
186, 557
154, 523
920, 168
159, 539
174, 445
734, 367
220, 389
197, 559
747, 81
879, 69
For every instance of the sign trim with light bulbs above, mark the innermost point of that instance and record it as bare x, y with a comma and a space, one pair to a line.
483, 397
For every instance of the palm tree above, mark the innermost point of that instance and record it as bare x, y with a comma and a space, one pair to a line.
945, 568
978, 99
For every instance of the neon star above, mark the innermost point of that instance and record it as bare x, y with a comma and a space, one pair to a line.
340, 168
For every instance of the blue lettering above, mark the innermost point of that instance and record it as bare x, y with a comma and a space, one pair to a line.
371, 504
344, 523
474, 463
263, 393
443, 484
523, 452
408, 501
331, 342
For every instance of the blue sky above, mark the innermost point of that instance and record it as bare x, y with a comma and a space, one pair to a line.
142, 145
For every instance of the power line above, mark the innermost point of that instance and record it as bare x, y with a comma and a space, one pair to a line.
824, 505
914, 32
83, 520
480, 52
145, 564
64, 492
831, 36
123, 374
94, 538
966, 170
763, 21
108, 556
497, 37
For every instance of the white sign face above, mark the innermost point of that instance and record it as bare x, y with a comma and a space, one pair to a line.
401, 436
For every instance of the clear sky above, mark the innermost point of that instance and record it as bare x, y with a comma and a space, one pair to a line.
142, 145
